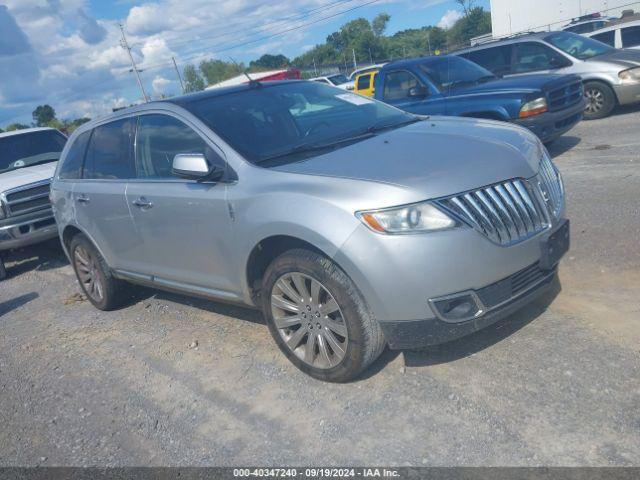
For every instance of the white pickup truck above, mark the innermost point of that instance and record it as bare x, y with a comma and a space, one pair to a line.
28, 160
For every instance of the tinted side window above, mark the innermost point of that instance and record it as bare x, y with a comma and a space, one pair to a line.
110, 152
630, 36
71, 169
497, 59
398, 84
532, 56
160, 138
607, 37
364, 81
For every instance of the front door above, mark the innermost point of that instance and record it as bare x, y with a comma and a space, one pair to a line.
185, 225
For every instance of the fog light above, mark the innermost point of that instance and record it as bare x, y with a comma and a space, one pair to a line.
457, 308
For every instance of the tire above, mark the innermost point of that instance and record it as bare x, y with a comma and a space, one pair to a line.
334, 342
3, 269
96, 280
601, 99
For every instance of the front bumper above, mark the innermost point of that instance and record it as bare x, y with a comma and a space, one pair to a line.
24, 230
629, 93
434, 331
549, 126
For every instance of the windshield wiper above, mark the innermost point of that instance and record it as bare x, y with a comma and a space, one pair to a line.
376, 127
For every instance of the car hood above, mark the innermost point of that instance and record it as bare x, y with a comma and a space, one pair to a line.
436, 157
26, 175
522, 84
624, 58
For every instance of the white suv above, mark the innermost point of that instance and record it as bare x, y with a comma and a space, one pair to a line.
28, 160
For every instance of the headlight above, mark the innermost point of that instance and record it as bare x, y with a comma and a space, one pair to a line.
534, 107
631, 75
416, 218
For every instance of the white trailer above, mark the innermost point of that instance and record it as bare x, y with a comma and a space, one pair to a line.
515, 16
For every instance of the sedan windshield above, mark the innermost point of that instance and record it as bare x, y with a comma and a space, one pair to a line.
578, 46
25, 150
453, 71
293, 120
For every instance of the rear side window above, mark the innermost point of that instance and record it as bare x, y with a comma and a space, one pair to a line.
495, 59
398, 84
532, 57
160, 138
606, 37
630, 36
71, 169
110, 152
364, 82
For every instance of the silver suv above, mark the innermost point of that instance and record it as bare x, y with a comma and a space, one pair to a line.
351, 224
611, 77
27, 162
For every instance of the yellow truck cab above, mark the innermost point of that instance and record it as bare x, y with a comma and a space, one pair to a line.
364, 83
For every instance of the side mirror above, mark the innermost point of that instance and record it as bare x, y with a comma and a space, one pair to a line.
418, 92
194, 166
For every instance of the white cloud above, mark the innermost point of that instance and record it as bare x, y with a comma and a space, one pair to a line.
449, 19
163, 86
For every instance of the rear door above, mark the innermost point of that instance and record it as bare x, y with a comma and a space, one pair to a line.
99, 197
184, 226
630, 37
495, 59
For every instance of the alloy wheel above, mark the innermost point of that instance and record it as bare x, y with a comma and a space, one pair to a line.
87, 268
309, 320
596, 100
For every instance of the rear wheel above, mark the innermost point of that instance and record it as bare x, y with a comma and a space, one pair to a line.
601, 100
318, 318
99, 285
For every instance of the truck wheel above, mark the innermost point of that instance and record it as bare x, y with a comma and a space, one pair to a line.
601, 100
102, 289
318, 318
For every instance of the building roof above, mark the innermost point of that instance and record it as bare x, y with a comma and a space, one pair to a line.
24, 130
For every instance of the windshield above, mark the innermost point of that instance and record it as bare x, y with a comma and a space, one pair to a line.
453, 71
578, 46
338, 79
24, 150
290, 120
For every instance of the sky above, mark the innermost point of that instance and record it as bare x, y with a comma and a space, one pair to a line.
67, 53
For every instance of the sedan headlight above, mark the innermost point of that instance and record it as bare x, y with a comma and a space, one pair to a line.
416, 218
534, 107
631, 75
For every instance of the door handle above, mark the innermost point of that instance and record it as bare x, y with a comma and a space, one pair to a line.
143, 203
83, 199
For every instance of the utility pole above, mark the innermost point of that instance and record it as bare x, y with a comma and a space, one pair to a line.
315, 70
178, 72
126, 46
429, 42
355, 65
370, 56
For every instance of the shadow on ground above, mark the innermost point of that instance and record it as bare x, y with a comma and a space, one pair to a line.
43, 256
562, 145
15, 303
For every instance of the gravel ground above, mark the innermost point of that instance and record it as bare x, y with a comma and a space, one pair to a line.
170, 380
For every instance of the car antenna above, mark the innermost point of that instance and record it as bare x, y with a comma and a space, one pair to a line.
252, 82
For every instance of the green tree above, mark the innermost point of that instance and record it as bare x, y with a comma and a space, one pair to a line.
467, 5
476, 22
43, 114
379, 23
269, 62
193, 82
16, 126
215, 71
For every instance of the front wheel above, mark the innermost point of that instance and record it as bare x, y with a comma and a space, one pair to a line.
318, 317
601, 100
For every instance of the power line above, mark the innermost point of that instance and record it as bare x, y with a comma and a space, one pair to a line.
267, 37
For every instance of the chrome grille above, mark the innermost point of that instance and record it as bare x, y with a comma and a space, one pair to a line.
27, 199
506, 213
551, 186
